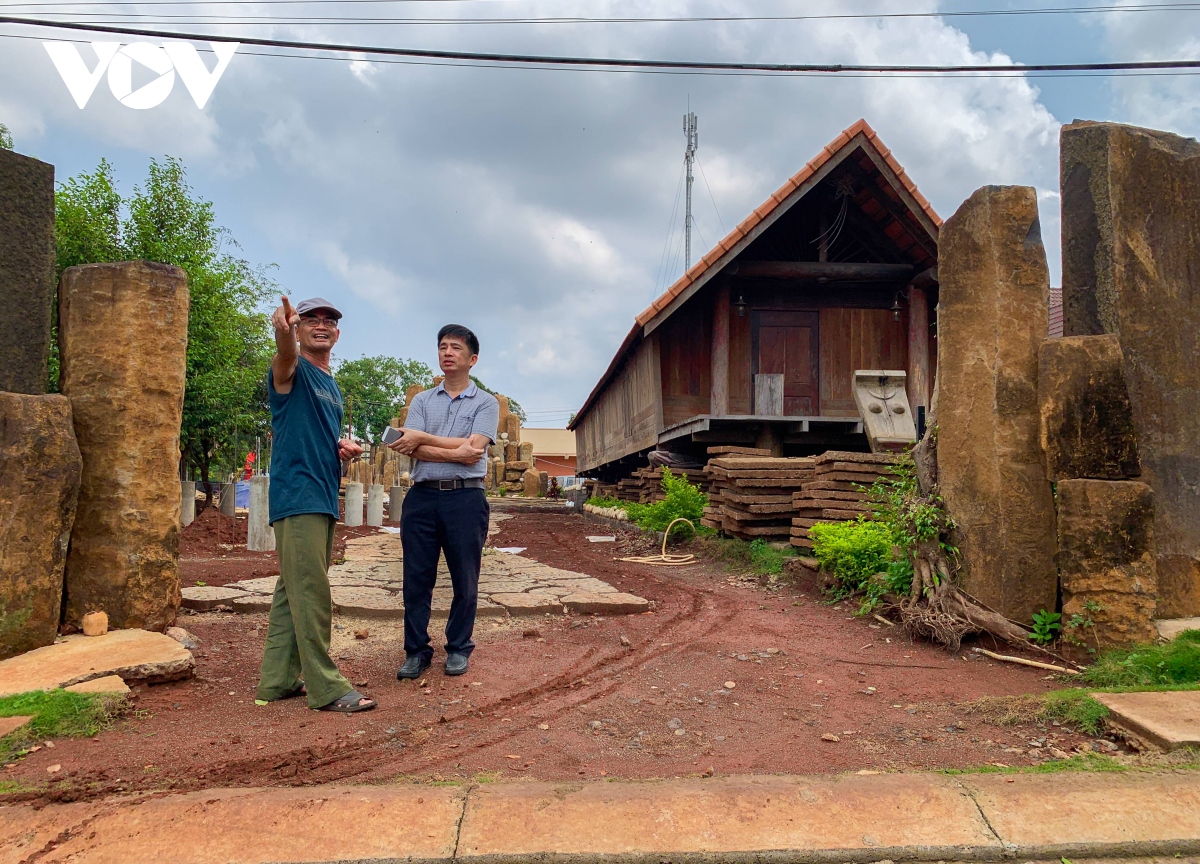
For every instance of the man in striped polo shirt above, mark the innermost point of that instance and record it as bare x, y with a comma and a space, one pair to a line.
448, 430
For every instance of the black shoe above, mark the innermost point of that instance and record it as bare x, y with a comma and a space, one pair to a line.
413, 667
456, 664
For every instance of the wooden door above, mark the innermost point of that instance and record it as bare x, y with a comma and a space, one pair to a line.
785, 343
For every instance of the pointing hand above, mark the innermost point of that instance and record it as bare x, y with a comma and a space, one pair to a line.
285, 318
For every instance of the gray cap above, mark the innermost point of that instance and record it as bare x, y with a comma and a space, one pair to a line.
312, 304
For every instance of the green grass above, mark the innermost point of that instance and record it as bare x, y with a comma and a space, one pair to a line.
757, 557
1173, 664
1080, 762
1071, 707
57, 714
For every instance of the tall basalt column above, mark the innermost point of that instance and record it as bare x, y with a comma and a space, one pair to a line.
26, 270
123, 347
39, 482
1131, 265
992, 318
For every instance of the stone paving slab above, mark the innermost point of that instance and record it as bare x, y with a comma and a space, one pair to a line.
847, 818
12, 724
1168, 720
1076, 813
132, 654
369, 582
1169, 628
107, 684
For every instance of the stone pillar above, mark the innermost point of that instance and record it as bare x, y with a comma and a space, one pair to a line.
512, 426
1131, 255
375, 505
123, 351
1106, 556
229, 499
525, 452
26, 270
187, 501
40, 469
260, 536
531, 483
396, 503
992, 318
354, 505
1086, 421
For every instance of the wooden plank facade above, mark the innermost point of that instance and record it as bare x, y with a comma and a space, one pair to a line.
758, 342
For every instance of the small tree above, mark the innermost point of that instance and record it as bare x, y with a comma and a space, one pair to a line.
374, 389
6, 142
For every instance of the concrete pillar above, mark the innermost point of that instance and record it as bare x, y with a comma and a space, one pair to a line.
229, 500
127, 404
260, 537
26, 270
187, 502
375, 505
396, 503
354, 505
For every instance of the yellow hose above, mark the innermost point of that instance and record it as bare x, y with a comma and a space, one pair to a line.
665, 560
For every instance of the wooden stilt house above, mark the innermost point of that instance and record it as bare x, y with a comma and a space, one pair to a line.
835, 272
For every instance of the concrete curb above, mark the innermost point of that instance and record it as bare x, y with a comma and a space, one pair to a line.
730, 820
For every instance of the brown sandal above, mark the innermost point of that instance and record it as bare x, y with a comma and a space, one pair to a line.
351, 703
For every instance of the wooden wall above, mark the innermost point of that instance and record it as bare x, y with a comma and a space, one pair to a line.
685, 357
853, 339
628, 415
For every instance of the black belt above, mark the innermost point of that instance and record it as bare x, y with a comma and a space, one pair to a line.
451, 485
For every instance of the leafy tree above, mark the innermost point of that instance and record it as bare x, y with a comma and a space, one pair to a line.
513, 407
6, 142
373, 388
229, 343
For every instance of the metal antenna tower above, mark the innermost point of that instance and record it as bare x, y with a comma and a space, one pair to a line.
689, 156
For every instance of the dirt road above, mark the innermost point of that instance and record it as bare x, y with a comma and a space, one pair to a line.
724, 676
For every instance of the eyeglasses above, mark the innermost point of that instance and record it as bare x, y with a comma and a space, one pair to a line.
314, 321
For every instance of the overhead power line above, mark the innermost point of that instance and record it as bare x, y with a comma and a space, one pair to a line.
606, 62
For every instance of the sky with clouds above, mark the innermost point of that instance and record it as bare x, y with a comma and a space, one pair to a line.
534, 206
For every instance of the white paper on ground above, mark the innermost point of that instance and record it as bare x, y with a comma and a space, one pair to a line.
389, 529
513, 550
609, 539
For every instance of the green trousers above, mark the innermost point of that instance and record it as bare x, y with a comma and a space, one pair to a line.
302, 615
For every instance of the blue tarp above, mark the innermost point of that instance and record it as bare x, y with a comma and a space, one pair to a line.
242, 498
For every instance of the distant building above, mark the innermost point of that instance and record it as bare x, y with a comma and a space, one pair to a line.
553, 450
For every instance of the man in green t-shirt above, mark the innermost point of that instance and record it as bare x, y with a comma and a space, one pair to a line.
306, 455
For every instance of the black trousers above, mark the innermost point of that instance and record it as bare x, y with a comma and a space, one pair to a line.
455, 523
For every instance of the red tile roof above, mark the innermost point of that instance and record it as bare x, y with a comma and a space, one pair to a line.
749, 223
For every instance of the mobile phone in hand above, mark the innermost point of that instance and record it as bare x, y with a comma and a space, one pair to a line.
391, 435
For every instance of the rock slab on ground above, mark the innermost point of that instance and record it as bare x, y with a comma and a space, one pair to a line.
107, 684
201, 598
9, 725
1131, 252
1106, 559
26, 270
1167, 720
40, 467
134, 655
1087, 423
1170, 628
127, 401
992, 318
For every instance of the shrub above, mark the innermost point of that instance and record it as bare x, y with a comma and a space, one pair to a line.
855, 551
683, 500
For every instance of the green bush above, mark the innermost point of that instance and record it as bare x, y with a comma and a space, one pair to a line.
1173, 664
855, 551
683, 501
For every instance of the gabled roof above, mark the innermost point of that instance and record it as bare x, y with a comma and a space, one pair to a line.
860, 133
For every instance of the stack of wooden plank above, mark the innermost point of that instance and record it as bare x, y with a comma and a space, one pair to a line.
837, 491
752, 495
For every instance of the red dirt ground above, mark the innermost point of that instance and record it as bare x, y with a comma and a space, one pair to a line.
563, 697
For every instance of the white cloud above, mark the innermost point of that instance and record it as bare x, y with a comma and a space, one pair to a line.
369, 280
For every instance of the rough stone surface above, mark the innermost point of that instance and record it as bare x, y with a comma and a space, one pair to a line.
1106, 556
367, 602
135, 655
40, 469
251, 603
127, 400
1131, 254
1169, 628
992, 317
1166, 720
529, 604
260, 536
1087, 423
107, 684
95, 624
532, 481
26, 270
201, 598
613, 603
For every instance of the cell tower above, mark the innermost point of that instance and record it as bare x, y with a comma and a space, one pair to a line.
689, 156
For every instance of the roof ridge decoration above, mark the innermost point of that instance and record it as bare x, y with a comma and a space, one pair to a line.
780, 195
